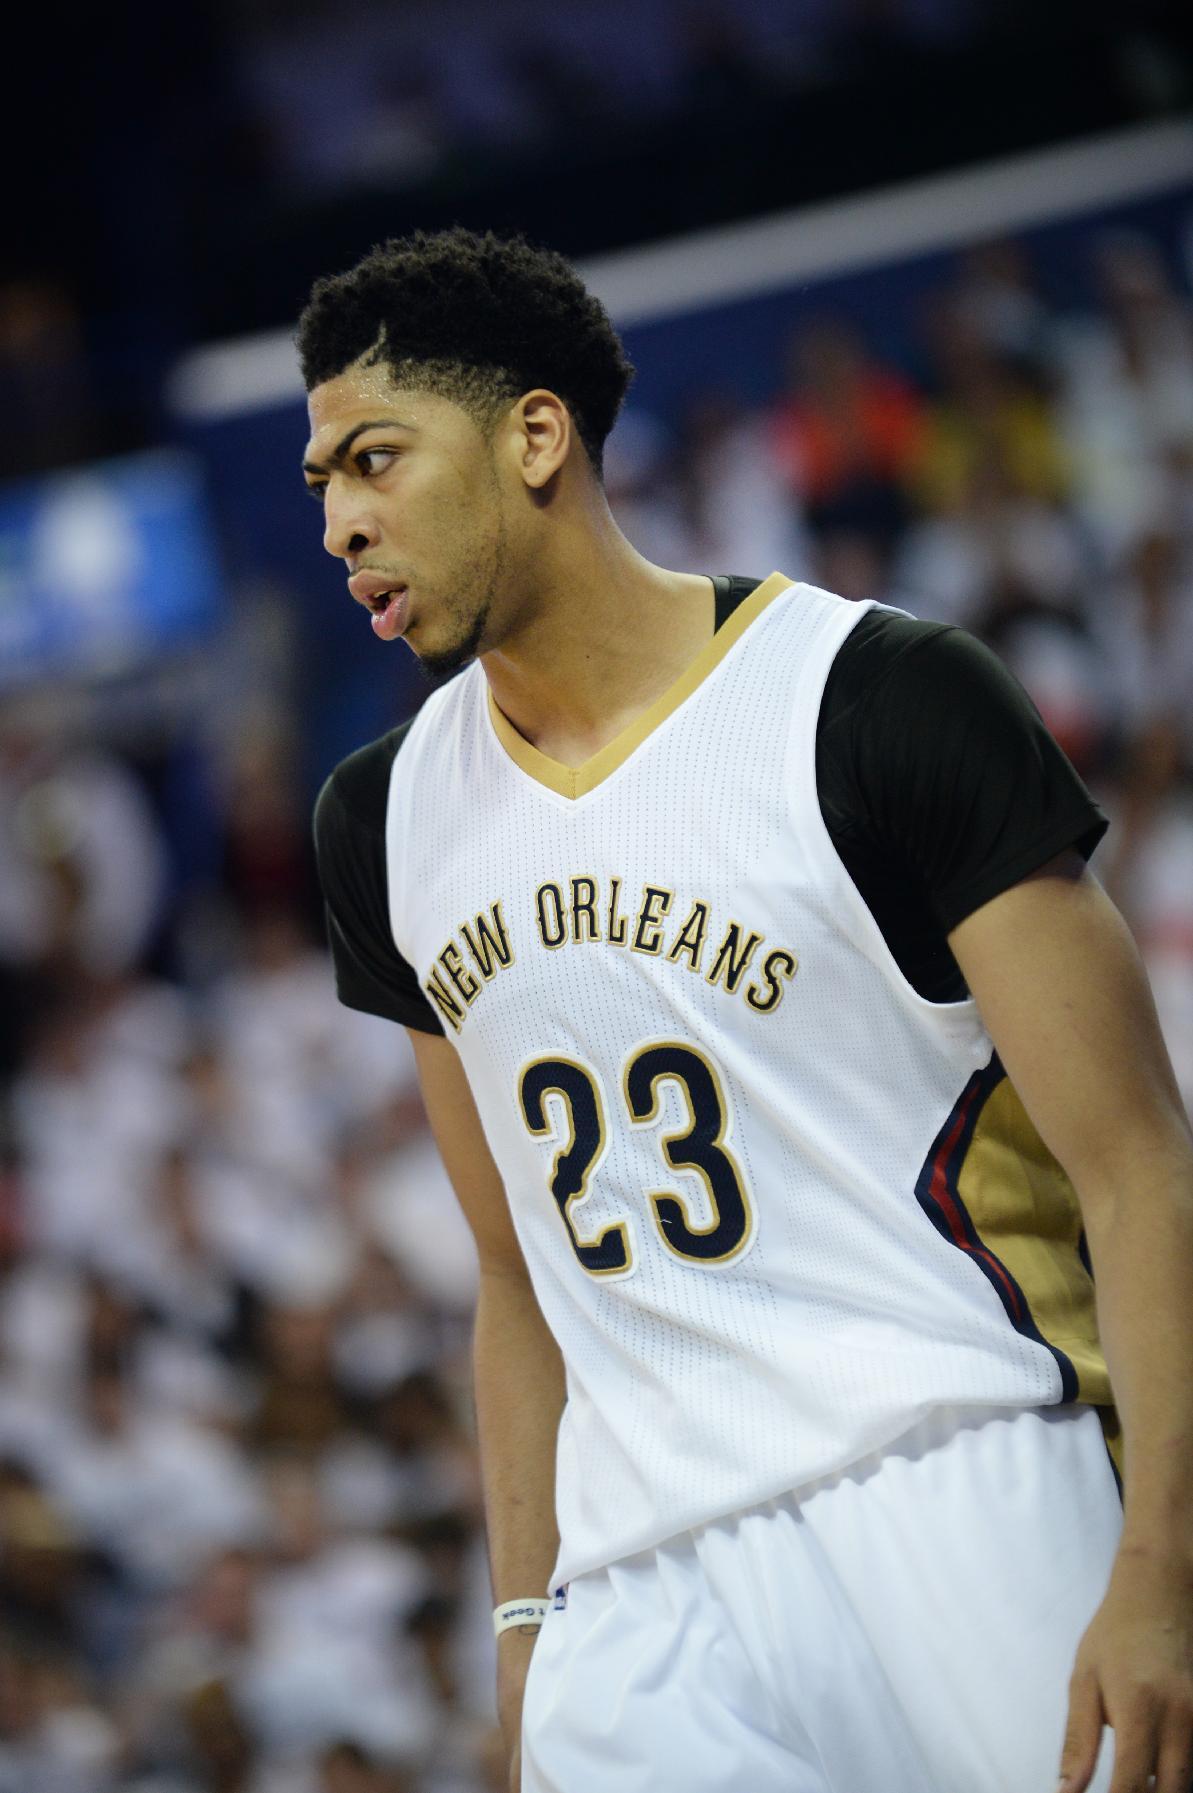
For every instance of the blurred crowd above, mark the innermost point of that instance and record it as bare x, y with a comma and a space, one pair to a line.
240, 1527
241, 1543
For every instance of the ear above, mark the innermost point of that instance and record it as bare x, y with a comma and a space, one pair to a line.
544, 436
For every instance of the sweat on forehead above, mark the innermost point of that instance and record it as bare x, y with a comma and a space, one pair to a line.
366, 399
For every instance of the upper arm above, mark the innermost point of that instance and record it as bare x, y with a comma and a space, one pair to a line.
464, 1149
1064, 996
958, 780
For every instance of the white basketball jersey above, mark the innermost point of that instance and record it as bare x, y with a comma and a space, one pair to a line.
775, 1205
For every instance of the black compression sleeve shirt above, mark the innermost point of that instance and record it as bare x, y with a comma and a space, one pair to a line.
371, 973
940, 786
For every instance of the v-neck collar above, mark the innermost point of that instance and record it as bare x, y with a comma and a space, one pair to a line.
577, 781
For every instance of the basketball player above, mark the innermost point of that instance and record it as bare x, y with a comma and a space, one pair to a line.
716, 909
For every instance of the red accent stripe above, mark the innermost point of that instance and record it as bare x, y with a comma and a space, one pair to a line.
943, 1194
939, 1187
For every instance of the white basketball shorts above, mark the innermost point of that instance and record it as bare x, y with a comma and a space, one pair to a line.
906, 1627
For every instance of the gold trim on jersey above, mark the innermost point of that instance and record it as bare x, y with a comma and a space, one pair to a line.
1025, 1210
577, 781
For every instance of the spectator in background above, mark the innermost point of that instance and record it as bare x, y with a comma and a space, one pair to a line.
1126, 376
1145, 628
155, 1493
990, 408
982, 547
92, 1116
1150, 870
847, 432
993, 541
300, 1407
383, 1331
734, 505
331, 1657
41, 1564
53, 1736
408, 1208
997, 300
280, 1037
419, 1426
193, 1312
205, 1634
267, 859
82, 863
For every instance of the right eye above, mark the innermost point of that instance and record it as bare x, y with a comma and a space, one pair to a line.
368, 455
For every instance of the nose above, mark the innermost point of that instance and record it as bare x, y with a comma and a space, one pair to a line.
348, 528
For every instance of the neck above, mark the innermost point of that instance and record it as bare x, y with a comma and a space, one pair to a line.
604, 633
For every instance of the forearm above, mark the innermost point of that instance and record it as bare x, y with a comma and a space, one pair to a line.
519, 1386
1141, 1247
1063, 991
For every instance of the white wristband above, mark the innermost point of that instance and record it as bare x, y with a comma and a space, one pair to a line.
519, 1612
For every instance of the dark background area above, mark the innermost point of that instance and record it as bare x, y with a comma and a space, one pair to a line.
165, 187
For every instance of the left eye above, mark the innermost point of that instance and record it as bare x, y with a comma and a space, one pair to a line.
368, 458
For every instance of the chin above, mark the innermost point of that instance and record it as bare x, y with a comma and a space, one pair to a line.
438, 666
437, 662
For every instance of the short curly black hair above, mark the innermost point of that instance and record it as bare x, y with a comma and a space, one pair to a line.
479, 319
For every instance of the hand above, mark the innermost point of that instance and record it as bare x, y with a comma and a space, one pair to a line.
514, 1650
1134, 1671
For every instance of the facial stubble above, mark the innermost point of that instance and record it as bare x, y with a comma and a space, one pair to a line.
473, 617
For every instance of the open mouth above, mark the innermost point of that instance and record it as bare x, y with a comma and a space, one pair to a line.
380, 601
388, 608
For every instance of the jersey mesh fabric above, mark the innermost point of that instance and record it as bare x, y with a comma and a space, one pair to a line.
845, 1312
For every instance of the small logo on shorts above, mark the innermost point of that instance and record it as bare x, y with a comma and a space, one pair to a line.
561, 1598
